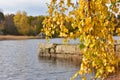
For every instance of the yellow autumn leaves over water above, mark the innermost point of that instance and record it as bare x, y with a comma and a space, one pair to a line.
90, 21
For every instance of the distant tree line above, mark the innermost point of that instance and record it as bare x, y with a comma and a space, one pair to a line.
20, 24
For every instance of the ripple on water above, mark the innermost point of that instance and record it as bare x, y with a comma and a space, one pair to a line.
19, 61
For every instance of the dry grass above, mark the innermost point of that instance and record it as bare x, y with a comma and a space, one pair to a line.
11, 37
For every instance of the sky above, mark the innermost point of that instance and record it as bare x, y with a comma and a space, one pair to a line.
32, 7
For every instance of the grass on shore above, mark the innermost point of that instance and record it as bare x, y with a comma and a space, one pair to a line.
12, 37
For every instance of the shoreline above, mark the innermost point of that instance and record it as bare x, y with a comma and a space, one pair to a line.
14, 37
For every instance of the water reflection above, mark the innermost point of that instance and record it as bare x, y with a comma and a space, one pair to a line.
56, 61
19, 61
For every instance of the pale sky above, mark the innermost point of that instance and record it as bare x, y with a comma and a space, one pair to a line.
32, 7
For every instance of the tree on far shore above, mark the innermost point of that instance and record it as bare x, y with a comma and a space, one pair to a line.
2, 18
9, 26
21, 22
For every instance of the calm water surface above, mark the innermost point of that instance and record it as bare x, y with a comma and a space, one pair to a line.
19, 61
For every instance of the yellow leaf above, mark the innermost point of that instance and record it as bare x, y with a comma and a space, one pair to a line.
74, 76
84, 78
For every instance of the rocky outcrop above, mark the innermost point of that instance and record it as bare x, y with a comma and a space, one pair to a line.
61, 51
66, 51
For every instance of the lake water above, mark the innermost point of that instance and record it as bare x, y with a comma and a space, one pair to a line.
19, 61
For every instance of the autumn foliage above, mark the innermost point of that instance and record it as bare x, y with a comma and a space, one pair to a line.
93, 22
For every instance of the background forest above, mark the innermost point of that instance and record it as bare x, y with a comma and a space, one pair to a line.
22, 24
